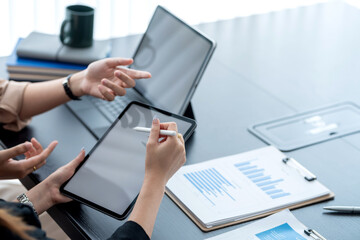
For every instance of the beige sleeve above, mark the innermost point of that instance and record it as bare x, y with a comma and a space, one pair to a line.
11, 98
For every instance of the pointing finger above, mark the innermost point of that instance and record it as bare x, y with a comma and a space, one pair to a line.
135, 74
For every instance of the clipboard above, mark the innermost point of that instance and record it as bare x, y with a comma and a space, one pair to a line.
311, 127
282, 225
204, 229
292, 163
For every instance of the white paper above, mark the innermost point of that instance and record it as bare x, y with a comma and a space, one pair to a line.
239, 186
250, 231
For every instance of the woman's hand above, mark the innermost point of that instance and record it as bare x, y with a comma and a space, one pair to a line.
35, 159
102, 79
163, 158
47, 193
105, 79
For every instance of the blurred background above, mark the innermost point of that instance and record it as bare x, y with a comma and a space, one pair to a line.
115, 18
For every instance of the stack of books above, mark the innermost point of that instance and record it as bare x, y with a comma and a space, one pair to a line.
31, 69
41, 57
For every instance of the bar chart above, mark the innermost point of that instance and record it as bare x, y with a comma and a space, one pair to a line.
241, 186
264, 181
211, 184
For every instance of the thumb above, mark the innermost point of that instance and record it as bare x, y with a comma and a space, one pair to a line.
76, 161
155, 131
16, 151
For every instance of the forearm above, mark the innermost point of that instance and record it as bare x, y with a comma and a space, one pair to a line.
43, 96
147, 205
40, 196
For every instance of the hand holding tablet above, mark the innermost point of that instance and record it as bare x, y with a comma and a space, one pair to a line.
163, 156
115, 167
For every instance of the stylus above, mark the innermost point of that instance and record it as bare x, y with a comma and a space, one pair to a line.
162, 132
344, 209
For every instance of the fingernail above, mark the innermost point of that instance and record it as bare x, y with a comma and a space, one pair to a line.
156, 121
82, 149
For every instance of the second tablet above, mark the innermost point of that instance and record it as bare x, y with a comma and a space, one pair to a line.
110, 177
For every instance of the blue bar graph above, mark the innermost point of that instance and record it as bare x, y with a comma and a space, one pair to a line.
268, 182
241, 164
211, 183
264, 181
253, 171
256, 175
246, 168
274, 191
280, 195
268, 187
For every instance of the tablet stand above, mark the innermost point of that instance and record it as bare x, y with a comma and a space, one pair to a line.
189, 112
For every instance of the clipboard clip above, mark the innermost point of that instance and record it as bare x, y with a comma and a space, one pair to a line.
314, 234
303, 171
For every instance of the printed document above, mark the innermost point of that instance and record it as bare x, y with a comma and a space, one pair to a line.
281, 225
241, 186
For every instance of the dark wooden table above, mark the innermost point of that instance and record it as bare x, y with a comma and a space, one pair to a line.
266, 66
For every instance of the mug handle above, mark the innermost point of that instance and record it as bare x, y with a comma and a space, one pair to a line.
62, 31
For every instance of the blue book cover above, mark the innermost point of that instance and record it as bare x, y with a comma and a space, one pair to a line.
29, 65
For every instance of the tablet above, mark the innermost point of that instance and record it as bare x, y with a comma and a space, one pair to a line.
111, 175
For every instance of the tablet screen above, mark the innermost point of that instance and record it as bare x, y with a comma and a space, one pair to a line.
113, 172
176, 55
